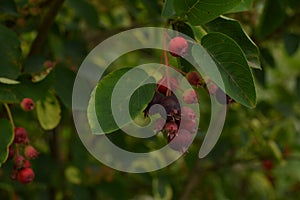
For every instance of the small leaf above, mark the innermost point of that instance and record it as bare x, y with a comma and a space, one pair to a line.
48, 112
10, 52
233, 29
6, 138
103, 99
232, 65
291, 43
202, 11
245, 5
8, 81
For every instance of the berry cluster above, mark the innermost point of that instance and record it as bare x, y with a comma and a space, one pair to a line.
21, 152
177, 122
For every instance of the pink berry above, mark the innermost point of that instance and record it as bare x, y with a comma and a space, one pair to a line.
171, 127
178, 46
194, 78
20, 135
27, 104
19, 162
181, 141
190, 96
30, 152
26, 164
212, 88
25, 175
190, 125
188, 113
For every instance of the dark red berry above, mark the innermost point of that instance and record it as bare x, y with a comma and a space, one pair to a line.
20, 135
26, 164
11, 152
171, 105
190, 96
25, 175
178, 46
30, 152
267, 165
194, 78
162, 84
27, 104
181, 141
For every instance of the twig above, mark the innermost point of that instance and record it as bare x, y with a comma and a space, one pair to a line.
45, 26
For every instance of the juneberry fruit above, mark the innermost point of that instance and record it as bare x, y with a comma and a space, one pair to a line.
194, 78
162, 84
212, 88
267, 165
190, 96
19, 162
181, 141
11, 152
30, 152
20, 135
190, 125
25, 175
178, 46
188, 113
26, 164
171, 127
27, 104
171, 105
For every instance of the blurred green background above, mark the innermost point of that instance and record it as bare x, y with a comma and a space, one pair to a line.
257, 156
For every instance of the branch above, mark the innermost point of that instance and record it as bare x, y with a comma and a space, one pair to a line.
45, 26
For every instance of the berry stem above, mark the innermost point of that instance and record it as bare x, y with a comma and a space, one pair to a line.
167, 64
9, 115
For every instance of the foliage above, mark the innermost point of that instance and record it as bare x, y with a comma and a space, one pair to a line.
254, 43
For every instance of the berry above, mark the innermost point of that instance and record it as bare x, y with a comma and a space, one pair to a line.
159, 125
178, 46
190, 96
171, 105
11, 152
48, 64
171, 127
212, 88
188, 113
267, 165
19, 162
220, 97
157, 98
27, 104
26, 164
162, 84
25, 175
181, 141
20, 135
194, 78
190, 125
30, 152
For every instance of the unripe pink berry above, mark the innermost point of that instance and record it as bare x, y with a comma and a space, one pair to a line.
30, 152
178, 46
188, 114
181, 141
212, 88
25, 175
27, 104
190, 125
190, 96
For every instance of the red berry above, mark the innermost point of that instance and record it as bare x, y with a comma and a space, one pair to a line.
181, 141
190, 96
162, 85
19, 162
267, 164
178, 46
48, 64
27, 104
171, 128
11, 152
20, 135
30, 152
26, 164
194, 78
188, 113
171, 105
25, 175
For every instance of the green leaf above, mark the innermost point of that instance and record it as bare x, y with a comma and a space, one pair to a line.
243, 6
202, 11
232, 65
168, 9
10, 51
8, 81
233, 29
48, 112
272, 18
64, 80
86, 11
101, 99
6, 138
291, 43
14, 93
